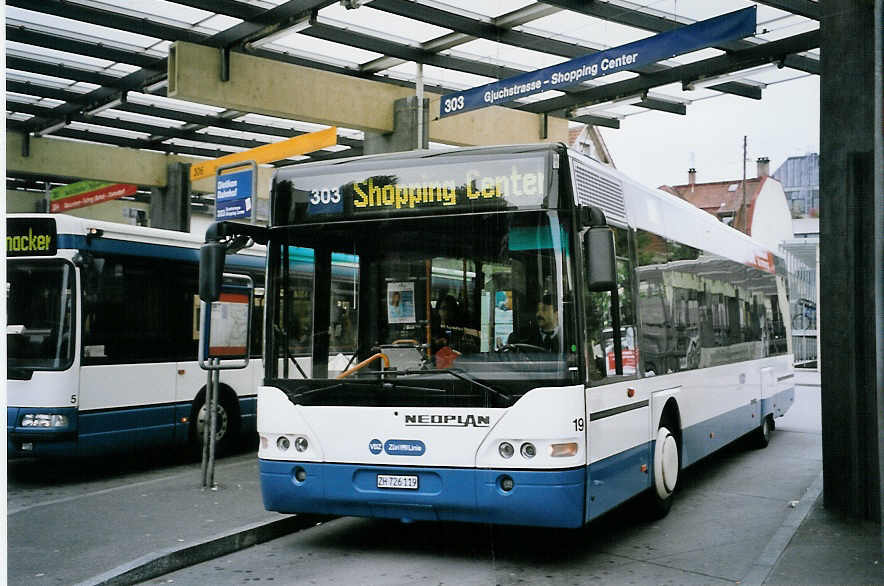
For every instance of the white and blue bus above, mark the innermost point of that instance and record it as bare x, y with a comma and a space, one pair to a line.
480, 379
102, 335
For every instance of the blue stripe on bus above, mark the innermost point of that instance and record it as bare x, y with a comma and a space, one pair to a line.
105, 431
778, 404
539, 498
542, 498
700, 440
108, 245
617, 478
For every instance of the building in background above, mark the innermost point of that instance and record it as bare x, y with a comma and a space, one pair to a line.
800, 177
756, 206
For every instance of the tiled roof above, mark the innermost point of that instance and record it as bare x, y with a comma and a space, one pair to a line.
723, 197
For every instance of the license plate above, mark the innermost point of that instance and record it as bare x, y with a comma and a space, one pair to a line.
397, 481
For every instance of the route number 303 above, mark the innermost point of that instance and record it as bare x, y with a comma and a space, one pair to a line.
452, 105
325, 196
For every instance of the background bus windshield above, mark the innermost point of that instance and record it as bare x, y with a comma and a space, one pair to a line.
40, 302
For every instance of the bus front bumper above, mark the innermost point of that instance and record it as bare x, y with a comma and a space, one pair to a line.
553, 498
39, 441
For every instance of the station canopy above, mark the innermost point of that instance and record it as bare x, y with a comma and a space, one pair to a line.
84, 70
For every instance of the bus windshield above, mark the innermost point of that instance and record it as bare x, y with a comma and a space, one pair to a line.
482, 294
40, 310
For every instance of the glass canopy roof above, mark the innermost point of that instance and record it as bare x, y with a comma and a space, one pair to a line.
95, 71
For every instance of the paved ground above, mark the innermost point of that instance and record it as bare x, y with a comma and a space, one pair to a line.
743, 516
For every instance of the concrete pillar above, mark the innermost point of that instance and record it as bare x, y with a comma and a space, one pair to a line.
170, 205
404, 135
850, 252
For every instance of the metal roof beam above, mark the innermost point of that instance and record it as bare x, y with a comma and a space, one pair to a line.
767, 53
329, 32
738, 89
110, 19
432, 14
805, 8
597, 121
663, 105
658, 24
491, 31
37, 38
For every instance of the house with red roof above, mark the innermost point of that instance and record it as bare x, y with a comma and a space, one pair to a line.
756, 206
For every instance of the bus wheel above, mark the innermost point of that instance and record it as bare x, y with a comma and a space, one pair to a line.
224, 425
761, 436
667, 465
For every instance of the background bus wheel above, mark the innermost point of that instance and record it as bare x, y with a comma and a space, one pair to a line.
225, 423
761, 436
667, 465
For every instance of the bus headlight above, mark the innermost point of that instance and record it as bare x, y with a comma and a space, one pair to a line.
283, 443
528, 450
44, 420
301, 444
506, 450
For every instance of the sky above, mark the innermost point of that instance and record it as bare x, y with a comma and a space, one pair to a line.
658, 148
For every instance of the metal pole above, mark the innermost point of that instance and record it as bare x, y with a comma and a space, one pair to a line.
419, 83
205, 460
745, 219
213, 423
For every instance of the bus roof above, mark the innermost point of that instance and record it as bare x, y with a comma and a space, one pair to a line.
77, 226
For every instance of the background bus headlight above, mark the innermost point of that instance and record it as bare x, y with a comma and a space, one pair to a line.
44, 420
506, 450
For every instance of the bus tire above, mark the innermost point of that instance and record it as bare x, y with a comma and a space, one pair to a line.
227, 422
667, 468
761, 436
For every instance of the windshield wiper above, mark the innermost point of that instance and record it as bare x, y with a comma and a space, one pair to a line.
462, 375
385, 385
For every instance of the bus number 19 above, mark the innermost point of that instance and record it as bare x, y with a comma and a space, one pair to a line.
578, 424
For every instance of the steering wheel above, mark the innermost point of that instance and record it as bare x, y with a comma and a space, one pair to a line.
519, 347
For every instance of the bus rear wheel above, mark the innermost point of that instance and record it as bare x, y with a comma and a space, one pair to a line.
667, 466
225, 425
761, 436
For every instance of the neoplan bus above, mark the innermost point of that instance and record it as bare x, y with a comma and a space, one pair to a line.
102, 339
451, 405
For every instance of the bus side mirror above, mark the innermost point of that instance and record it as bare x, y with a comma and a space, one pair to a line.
211, 270
598, 249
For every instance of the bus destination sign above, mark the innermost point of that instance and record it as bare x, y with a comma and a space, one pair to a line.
444, 188
31, 237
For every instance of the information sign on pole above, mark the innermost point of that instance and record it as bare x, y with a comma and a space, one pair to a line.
225, 324
684, 39
235, 191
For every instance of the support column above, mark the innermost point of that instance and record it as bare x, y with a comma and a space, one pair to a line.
170, 205
850, 252
404, 135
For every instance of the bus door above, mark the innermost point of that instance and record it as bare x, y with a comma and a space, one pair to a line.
618, 414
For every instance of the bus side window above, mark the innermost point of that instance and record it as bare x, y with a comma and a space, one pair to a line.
604, 357
653, 256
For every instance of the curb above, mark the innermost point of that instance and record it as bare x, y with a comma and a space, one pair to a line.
165, 561
769, 557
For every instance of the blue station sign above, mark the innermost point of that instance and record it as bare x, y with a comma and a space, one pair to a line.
693, 37
233, 194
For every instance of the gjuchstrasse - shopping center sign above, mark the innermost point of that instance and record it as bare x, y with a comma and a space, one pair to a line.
685, 39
